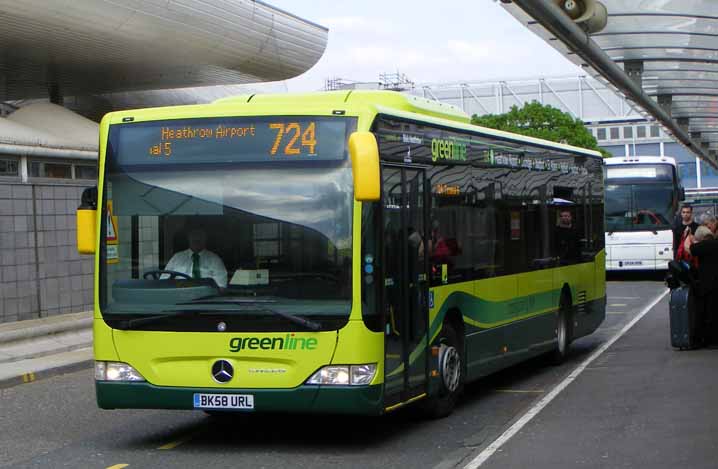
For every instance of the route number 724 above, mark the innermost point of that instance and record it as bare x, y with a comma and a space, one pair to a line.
296, 138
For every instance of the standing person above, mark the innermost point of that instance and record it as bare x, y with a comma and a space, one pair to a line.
197, 261
679, 228
709, 220
706, 301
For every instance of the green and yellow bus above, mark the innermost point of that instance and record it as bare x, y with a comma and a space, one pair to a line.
340, 252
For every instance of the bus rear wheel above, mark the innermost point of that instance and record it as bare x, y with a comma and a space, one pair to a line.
451, 382
563, 332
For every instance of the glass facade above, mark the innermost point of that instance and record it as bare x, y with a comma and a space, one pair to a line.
709, 176
8, 167
50, 170
85, 172
61, 170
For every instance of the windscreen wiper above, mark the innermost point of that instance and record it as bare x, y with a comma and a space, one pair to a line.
258, 305
130, 323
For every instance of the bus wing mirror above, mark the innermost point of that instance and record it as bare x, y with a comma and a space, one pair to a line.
87, 221
364, 153
682, 194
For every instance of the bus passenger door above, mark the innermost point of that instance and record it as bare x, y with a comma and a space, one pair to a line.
405, 283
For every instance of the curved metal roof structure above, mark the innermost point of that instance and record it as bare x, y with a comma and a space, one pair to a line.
48, 130
661, 54
108, 46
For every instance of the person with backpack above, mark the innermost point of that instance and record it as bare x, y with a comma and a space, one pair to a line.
682, 228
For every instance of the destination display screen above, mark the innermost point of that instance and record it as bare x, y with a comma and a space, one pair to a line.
231, 140
658, 172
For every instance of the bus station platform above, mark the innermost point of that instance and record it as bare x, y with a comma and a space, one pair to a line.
38, 348
639, 404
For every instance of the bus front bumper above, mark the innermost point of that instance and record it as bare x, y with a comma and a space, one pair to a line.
358, 400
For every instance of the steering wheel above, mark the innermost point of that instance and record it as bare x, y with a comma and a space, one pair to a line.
156, 274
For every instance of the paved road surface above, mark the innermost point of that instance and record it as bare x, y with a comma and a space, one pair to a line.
55, 422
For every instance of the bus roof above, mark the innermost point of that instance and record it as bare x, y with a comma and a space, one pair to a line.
616, 160
356, 102
358, 98
400, 105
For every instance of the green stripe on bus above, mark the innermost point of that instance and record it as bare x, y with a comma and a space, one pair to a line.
483, 314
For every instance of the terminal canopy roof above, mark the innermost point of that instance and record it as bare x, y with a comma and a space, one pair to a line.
668, 47
84, 47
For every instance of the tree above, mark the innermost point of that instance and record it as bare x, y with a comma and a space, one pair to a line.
542, 121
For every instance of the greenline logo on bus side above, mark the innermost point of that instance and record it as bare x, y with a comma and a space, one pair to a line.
447, 149
288, 342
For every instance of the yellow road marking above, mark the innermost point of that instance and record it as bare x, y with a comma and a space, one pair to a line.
519, 391
617, 304
615, 312
396, 406
118, 466
179, 441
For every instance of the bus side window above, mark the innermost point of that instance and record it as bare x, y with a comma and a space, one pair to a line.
451, 218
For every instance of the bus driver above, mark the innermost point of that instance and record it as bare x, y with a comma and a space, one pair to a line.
197, 261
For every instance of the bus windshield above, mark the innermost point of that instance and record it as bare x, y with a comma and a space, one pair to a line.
638, 207
256, 245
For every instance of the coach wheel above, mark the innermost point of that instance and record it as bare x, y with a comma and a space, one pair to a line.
451, 373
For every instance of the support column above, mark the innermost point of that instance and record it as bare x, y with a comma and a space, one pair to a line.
698, 173
634, 70
23, 168
54, 92
665, 101
683, 123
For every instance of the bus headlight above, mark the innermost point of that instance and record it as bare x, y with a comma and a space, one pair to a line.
116, 371
354, 375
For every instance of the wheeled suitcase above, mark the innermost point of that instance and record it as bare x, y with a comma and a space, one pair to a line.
684, 319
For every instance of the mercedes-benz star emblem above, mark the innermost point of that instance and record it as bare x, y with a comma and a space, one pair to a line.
222, 371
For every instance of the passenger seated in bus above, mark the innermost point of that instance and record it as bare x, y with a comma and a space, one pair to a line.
439, 251
705, 248
416, 243
415, 267
566, 241
197, 261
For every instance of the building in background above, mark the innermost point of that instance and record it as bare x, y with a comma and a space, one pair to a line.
93, 57
619, 128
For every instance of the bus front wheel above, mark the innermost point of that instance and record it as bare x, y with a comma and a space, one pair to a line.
451, 376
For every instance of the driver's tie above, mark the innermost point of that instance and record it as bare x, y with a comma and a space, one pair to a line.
195, 265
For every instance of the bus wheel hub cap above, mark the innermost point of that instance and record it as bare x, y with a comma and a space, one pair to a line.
450, 366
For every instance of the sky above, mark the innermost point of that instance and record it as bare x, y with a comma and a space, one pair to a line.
439, 41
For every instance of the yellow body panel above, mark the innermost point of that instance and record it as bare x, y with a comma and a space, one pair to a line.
186, 358
357, 344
